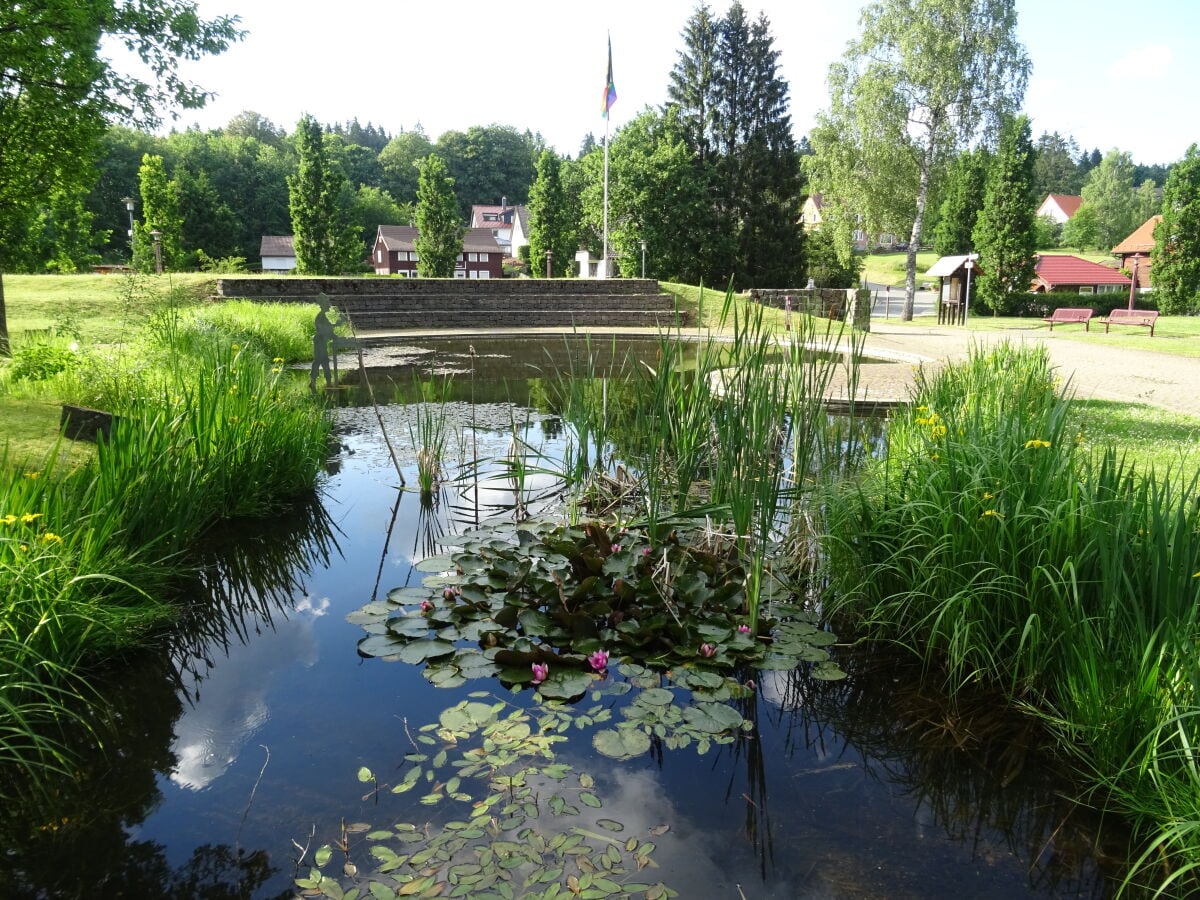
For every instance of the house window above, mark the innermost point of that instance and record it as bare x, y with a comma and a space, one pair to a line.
378, 256
482, 273
1086, 289
1109, 289
460, 273
458, 259
473, 257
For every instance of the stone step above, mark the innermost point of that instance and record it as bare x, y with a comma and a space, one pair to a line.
306, 289
469, 305
401, 320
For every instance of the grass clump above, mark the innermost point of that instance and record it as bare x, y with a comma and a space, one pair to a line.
996, 546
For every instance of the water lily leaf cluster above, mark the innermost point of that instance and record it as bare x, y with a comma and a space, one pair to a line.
510, 821
534, 603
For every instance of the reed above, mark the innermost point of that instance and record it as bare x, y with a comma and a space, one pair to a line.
428, 430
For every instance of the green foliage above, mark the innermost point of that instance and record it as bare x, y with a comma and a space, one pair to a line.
825, 267
1176, 256
160, 212
962, 199
439, 228
489, 163
1004, 235
1082, 230
551, 227
1055, 170
1109, 192
326, 241
226, 265
40, 360
400, 159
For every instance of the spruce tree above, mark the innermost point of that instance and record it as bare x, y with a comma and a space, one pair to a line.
962, 199
439, 229
1004, 234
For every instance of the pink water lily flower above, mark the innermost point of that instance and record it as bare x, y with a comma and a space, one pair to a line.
744, 629
616, 548
540, 671
708, 650
426, 606
599, 660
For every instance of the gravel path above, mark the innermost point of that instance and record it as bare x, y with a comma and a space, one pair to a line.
1097, 371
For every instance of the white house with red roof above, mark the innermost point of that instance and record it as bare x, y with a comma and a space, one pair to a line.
1059, 207
509, 224
1063, 274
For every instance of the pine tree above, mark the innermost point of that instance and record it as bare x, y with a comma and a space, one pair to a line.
1004, 235
439, 229
1175, 260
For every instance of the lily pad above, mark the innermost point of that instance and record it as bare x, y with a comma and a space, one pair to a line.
621, 743
566, 685
434, 564
421, 650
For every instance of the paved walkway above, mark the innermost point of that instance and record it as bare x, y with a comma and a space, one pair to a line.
1097, 371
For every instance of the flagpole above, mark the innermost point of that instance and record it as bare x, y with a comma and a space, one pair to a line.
605, 263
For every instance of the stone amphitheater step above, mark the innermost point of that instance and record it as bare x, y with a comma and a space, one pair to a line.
383, 304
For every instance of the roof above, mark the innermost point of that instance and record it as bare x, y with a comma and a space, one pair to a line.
403, 237
1142, 239
277, 245
501, 214
948, 265
1054, 271
816, 199
1068, 203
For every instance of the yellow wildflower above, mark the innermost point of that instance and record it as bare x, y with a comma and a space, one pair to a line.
993, 513
9, 519
29, 517
277, 359
937, 431
32, 474
1035, 443
988, 495
236, 346
50, 537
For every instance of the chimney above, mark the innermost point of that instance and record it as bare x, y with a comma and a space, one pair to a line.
503, 203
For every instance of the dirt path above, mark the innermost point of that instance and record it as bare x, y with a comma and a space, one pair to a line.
1097, 371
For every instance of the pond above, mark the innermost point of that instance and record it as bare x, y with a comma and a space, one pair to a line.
260, 733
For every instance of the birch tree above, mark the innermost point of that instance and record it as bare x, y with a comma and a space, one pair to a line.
924, 80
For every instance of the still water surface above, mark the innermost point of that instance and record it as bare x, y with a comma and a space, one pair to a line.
241, 742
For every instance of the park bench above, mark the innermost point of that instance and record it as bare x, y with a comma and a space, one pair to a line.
1143, 317
1069, 314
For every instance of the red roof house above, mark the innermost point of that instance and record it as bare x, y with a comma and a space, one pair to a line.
395, 253
1071, 274
1134, 251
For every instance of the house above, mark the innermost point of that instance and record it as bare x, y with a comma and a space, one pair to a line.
1134, 252
1059, 207
1062, 274
509, 224
278, 252
395, 253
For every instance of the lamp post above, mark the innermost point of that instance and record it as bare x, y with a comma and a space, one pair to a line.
970, 264
128, 201
643, 243
157, 235
1133, 283
549, 263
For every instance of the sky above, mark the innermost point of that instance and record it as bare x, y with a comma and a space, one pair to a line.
540, 65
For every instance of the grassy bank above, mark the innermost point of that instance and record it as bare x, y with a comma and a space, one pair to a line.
208, 426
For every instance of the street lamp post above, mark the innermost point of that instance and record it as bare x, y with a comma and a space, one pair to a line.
643, 243
157, 235
970, 264
128, 201
549, 263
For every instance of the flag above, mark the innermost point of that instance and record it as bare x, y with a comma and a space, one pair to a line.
610, 89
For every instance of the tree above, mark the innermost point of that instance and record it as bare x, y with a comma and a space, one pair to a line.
1109, 192
373, 207
550, 229
160, 212
249, 124
924, 79
1004, 235
962, 199
1082, 230
399, 160
1175, 259
57, 92
732, 108
439, 229
1054, 169
326, 241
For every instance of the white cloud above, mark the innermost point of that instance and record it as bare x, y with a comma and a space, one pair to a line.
1144, 63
